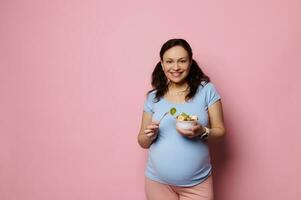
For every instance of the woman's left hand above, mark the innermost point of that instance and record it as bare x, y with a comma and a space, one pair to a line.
196, 130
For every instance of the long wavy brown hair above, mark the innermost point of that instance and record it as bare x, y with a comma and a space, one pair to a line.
194, 78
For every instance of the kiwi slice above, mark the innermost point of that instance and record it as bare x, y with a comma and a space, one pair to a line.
172, 111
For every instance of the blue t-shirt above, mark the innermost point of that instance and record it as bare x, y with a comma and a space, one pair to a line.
175, 159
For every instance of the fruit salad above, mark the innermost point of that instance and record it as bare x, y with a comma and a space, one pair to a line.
186, 121
185, 117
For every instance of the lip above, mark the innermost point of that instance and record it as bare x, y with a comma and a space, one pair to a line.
175, 74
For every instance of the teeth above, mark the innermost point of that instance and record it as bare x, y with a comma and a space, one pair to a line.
175, 74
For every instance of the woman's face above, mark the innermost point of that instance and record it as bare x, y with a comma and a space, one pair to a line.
176, 64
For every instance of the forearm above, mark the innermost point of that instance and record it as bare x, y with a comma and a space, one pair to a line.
216, 133
144, 141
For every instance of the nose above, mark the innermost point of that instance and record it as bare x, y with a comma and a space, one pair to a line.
176, 66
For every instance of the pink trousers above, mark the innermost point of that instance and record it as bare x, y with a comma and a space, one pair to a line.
158, 191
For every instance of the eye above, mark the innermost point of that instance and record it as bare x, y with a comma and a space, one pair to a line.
168, 61
183, 61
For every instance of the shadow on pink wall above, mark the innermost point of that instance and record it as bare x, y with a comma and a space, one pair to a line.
220, 159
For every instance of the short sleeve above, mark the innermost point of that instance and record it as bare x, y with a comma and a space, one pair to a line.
148, 104
212, 95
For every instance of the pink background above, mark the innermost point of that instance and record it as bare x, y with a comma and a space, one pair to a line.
73, 75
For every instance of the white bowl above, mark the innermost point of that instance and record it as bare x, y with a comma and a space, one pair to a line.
185, 124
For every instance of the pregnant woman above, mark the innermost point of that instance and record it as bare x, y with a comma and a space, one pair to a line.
178, 165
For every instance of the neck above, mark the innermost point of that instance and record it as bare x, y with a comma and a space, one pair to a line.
178, 86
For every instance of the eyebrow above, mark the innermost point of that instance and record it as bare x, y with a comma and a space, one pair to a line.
178, 59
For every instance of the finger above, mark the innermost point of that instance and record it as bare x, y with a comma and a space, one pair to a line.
150, 134
153, 136
155, 122
196, 129
146, 131
152, 126
185, 132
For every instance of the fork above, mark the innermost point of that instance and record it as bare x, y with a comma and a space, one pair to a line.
163, 116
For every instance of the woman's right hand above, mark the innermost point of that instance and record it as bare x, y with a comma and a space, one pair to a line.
152, 130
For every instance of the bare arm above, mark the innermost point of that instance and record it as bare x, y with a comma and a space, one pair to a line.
217, 128
148, 131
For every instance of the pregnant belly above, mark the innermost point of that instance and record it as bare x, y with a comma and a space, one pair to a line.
179, 161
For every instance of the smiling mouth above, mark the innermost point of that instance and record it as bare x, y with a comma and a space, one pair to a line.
176, 74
